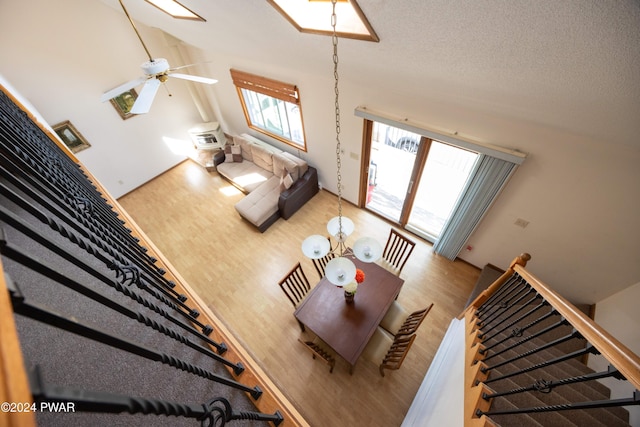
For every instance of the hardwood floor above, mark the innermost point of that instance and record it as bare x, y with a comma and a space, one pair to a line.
188, 213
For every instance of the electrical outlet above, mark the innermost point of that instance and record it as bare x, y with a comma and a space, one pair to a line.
521, 222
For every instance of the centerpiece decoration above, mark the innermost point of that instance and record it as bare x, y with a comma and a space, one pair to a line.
351, 288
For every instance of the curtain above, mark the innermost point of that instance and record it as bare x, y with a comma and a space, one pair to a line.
487, 179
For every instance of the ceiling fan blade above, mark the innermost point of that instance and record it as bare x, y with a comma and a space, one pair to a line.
147, 94
194, 78
122, 88
188, 65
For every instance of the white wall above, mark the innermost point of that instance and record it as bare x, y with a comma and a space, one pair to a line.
579, 195
619, 314
63, 55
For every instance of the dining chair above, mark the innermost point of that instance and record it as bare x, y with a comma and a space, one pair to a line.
387, 350
321, 263
396, 252
318, 348
398, 321
295, 286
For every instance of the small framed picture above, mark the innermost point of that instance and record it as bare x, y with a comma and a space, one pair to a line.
71, 137
123, 103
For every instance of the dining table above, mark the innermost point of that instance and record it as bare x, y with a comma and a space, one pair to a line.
344, 326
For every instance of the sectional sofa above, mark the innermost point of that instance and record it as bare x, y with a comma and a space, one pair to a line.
276, 183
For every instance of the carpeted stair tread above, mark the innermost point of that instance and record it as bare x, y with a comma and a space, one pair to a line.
526, 400
579, 392
511, 420
569, 368
587, 391
562, 395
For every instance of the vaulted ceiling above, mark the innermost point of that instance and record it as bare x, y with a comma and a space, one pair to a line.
572, 65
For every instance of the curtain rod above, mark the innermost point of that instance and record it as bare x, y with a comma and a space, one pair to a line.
502, 153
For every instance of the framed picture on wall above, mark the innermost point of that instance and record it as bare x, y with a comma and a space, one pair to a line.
71, 137
123, 103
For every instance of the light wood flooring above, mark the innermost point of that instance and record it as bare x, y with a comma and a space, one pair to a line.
188, 213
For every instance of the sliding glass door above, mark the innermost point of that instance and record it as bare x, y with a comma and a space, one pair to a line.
392, 160
442, 180
413, 180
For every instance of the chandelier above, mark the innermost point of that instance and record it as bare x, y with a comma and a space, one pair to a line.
340, 270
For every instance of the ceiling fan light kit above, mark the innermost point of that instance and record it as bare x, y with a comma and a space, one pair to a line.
157, 71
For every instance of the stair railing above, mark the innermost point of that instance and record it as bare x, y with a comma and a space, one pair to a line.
53, 206
503, 323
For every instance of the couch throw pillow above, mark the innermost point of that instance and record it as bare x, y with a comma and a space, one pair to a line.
287, 181
236, 153
228, 155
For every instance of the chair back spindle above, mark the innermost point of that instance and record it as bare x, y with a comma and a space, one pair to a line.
321, 263
397, 251
413, 322
397, 352
295, 285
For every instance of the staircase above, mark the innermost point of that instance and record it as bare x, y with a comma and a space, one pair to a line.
524, 360
540, 396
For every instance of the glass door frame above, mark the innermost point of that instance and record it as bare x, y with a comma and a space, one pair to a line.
418, 168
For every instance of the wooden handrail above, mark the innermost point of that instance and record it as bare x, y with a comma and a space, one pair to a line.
627, 362
14, 386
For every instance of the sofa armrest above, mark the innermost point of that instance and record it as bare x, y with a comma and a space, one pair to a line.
218, 157
299, 193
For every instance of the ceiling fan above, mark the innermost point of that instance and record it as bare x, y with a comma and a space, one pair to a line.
156, 71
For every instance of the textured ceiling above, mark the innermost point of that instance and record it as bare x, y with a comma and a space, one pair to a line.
572, 65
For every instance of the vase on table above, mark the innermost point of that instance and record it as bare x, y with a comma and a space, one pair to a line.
350, 292
349, 296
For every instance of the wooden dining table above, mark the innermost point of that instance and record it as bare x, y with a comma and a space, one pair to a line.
348, 327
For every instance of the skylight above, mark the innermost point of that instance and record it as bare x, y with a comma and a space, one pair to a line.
175, 9
314, 16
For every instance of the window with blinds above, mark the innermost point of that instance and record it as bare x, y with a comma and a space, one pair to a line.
271, 107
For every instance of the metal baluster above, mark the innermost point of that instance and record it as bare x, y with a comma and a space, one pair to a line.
215, 412
497, 332
27, 162
505, 305
544, 386
517, 332
25, 229
42, 314
47, 161
65, 232
515, 303
551, 344
18, 255
489, 303
90, 232
589, 349
635, 400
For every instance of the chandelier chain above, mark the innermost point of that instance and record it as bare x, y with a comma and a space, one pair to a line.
334, 39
